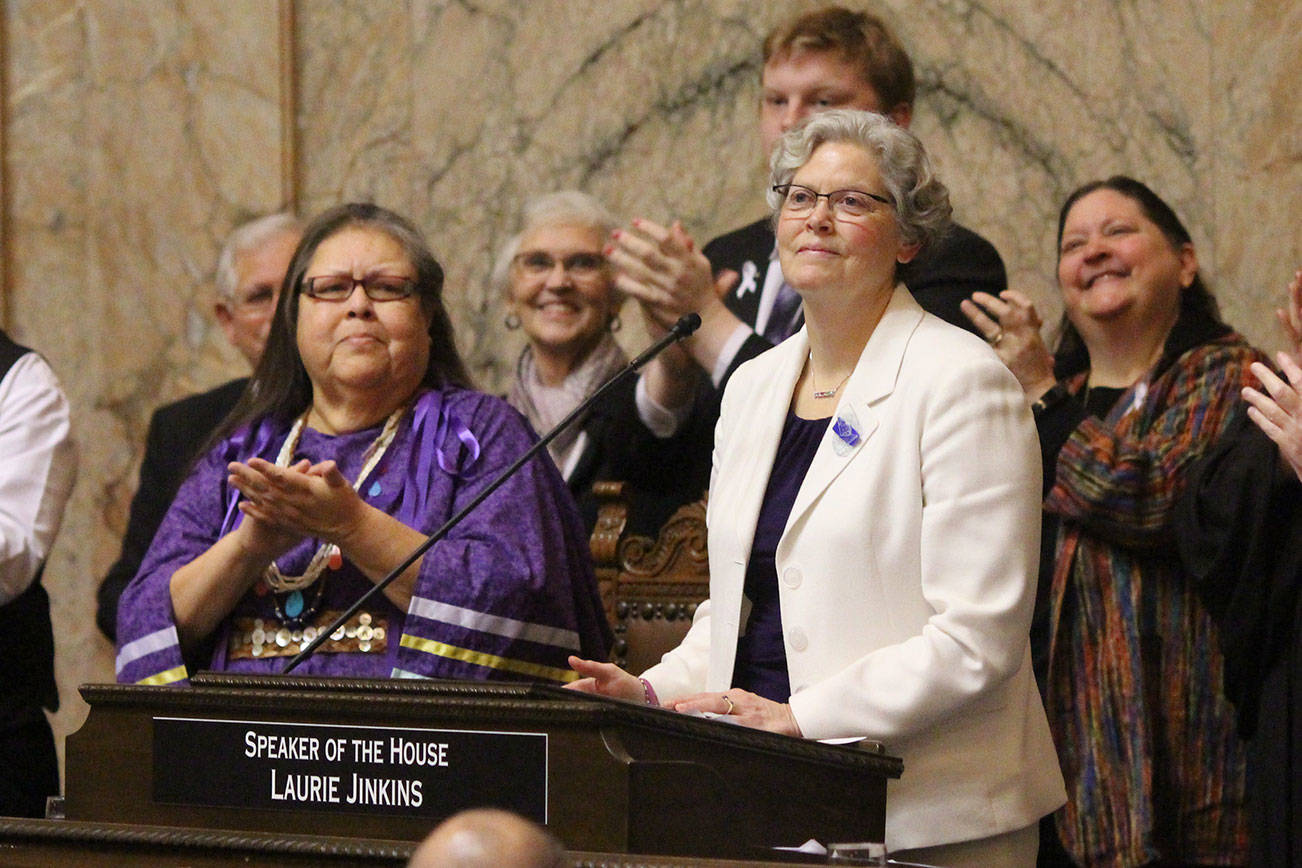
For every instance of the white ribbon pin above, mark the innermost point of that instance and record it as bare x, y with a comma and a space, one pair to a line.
748, 274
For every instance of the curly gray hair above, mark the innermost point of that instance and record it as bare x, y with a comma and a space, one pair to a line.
921, 201
563, 208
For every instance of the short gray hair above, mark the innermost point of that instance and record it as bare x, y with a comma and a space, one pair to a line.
921, 201
562, 208
246, 237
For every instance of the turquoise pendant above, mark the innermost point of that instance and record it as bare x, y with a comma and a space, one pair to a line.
375, 489
294, 605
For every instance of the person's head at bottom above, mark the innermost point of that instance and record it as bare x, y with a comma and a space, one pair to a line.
488, 838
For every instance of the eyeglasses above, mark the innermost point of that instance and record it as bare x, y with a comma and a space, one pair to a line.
259, 299
799, 201
339, 287
536, 263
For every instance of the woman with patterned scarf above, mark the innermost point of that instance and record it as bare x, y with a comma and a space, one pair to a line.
1145, 378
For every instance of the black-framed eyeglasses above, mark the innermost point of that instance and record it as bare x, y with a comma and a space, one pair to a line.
339, 287
798, 201
536, 263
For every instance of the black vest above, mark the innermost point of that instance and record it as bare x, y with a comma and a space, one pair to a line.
26, 636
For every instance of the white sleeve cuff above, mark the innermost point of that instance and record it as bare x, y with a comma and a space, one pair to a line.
662, 421
731, 347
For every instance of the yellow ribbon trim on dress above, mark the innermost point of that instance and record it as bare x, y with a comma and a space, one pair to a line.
492, 661
168, 677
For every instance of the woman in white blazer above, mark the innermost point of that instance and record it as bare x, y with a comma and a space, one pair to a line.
874, 520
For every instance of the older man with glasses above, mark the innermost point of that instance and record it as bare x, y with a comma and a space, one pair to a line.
250, 269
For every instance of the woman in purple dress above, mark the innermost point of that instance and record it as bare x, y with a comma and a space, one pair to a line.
357, 436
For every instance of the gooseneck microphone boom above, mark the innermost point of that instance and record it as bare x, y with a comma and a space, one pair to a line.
686, 324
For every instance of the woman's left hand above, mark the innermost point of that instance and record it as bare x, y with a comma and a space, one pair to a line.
308, 499
1279, 412
1011, 325
744, 708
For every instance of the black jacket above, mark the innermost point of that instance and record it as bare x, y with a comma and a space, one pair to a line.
176, 432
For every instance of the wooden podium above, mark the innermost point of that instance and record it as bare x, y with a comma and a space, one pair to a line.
386, 759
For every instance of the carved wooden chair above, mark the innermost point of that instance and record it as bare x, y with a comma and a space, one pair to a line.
650, 587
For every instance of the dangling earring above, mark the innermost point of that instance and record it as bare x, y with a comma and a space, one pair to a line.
614, 324
512, 321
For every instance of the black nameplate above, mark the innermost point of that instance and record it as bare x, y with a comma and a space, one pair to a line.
352, 769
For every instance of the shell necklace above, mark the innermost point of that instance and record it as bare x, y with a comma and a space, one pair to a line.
328, 553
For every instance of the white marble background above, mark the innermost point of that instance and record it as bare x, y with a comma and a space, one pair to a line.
137, 132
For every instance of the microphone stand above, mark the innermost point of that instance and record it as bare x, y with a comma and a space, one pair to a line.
686, 324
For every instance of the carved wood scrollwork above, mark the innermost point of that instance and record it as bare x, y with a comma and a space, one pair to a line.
651, 587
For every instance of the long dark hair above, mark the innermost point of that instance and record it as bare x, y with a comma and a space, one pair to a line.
1196, 300
280, 387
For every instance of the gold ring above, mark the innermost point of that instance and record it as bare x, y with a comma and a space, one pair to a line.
999, 336
730, 704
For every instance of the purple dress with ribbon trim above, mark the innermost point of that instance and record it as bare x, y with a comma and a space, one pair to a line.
509, 594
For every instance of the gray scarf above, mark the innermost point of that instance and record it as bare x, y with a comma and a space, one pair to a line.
544, 406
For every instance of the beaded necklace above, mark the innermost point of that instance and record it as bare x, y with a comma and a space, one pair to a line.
296, 609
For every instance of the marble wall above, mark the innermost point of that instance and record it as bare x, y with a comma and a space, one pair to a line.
137, 132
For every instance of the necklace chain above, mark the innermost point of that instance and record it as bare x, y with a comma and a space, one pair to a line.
275, 579
824, 393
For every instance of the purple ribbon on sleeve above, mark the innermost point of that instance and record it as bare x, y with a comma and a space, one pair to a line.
426, 450
260, 437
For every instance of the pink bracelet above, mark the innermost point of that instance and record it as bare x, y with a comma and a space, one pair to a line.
649, 692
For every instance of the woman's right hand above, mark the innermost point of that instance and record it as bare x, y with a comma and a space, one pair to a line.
208, 588
263, 540
258, 536
606, 679
1011, 325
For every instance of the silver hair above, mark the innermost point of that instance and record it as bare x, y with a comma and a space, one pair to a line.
246, 237
922, 209
562, 208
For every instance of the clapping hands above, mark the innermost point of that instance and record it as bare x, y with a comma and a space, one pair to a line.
1011, 325
1277, 407
289, 503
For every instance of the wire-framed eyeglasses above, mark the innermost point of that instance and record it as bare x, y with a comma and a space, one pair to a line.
536, 263
799, 201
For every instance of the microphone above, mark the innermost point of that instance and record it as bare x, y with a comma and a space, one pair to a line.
686, 324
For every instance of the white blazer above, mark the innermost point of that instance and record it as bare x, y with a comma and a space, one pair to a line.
907, 573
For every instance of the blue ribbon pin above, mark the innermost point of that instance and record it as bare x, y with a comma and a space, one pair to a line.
845, 427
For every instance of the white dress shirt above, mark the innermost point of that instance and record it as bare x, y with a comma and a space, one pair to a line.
665, 421
38, 465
